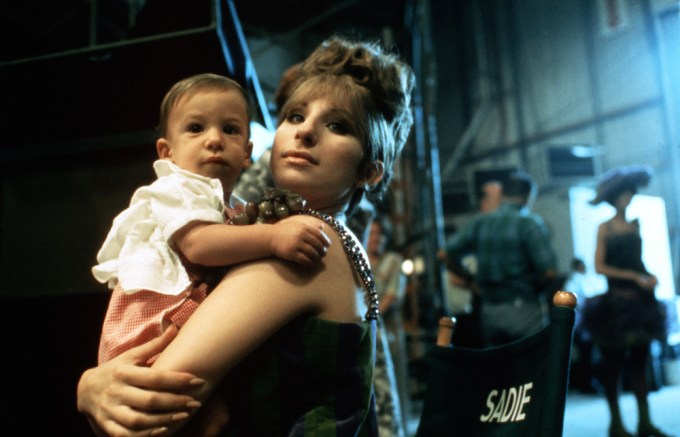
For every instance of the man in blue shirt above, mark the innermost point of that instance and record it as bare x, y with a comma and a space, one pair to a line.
515, 262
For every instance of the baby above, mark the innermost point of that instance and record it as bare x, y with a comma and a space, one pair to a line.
169, 247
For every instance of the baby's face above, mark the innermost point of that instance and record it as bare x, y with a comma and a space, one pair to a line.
208, 134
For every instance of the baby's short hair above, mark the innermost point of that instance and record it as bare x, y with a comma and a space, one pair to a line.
190, 86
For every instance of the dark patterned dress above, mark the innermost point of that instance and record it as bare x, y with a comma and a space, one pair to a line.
313, 378
626, 315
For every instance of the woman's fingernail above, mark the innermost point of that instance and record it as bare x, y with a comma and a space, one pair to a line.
197, 381
179, 416
193, 404
159, 431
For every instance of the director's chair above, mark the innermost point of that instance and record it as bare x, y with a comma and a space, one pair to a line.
518, 389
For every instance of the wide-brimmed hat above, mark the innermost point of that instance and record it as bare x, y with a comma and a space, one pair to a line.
620, 179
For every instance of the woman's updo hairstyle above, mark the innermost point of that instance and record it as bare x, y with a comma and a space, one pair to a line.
376, 85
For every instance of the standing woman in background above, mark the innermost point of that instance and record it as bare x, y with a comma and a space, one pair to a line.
625, 319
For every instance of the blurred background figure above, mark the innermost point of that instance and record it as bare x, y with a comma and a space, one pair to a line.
580, 374
515, 262
624, 320
390, 284
462, 294
576, 280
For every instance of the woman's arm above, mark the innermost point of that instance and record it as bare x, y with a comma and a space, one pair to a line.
251, 303
254, 301
123, 397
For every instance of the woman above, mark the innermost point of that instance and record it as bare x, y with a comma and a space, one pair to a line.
627, 317
340, 132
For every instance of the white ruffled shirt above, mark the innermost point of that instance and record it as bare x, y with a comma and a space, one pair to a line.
137, 250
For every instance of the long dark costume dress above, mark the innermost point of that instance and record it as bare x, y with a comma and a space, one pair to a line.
626, 315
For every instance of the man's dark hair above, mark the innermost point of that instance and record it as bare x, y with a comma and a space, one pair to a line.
519, 184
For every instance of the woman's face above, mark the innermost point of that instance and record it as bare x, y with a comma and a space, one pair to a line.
623, 199
317, 153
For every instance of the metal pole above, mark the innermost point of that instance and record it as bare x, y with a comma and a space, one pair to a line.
428, 175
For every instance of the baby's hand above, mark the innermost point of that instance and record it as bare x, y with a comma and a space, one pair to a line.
300, 239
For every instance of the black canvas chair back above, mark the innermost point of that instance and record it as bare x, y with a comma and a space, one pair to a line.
518, 389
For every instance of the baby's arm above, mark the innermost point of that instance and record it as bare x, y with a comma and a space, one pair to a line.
300, 239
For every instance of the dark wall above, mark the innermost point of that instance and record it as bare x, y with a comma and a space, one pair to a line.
47, 342
55, 215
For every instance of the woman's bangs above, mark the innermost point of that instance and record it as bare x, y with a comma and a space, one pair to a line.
342, 91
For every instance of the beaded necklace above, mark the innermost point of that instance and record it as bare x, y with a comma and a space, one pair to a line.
356, 256
277, 204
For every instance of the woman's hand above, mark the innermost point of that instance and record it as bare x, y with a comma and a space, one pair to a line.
646, 282
123, 397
